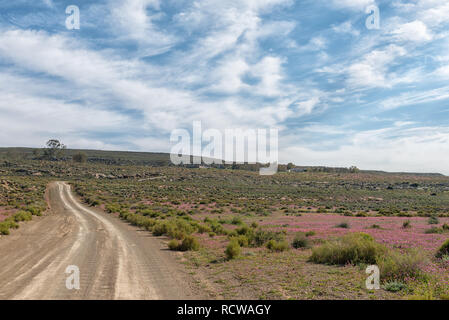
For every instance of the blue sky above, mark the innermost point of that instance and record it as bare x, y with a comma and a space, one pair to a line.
340, 94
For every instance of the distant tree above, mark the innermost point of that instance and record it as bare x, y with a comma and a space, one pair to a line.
80, 157
353, 169
54, 149
290, 166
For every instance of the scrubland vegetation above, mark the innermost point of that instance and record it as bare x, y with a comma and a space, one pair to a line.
307, 235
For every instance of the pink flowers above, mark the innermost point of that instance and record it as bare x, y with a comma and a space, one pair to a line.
390, 232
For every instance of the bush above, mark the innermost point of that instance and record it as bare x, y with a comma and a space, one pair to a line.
394, 286
443, 250
407, 224
35, 211
344, 225
4, 229
160, 228
236, 221
433, 220
232, 250
300, 241
434, 230
189, 243
400, 266
310, 233
277, 246
173, 244
242, 240
261, 237
353, 248
112, 207
243, 230
22, 216
203, 228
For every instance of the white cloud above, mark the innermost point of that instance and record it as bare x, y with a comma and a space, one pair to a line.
346, 27
353, 4
372, 70
414, 31
306, 107
414, 98
132, 19
421, 149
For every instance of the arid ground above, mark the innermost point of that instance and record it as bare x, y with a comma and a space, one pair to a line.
162, 232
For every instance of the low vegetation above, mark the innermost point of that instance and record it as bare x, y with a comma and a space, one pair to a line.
259, 237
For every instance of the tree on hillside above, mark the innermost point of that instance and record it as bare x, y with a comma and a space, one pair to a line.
54, 150
353, 169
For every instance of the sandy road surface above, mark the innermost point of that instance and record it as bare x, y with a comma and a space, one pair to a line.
116, 260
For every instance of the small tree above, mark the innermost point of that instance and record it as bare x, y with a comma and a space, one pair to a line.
54, 149
80, 157
353, 169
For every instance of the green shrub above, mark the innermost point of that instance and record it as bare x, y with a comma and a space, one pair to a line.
353, 248
443, 250
242, 240
434, 230
400, 266
160, 228
189, 243
203, 228
112, 207
22, 216
300, 241
375, 226
243, 230
433, 220
35, 211
236, 221
394, 286
173, 244
343, 225
445, 227
310, 233
11, 223
232, 250
4, 229
261, 237
407, 224
277, 246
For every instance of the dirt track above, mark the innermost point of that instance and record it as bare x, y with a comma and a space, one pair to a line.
116, 260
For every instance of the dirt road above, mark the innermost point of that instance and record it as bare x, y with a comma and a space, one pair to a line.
115, 260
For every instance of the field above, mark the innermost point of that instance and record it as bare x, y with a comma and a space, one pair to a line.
304, 235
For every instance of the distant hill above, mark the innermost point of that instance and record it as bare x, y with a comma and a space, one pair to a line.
108, 157
163, 159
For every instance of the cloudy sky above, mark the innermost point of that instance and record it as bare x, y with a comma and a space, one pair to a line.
340, 93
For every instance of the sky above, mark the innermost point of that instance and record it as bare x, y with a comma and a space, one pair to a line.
339, 91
